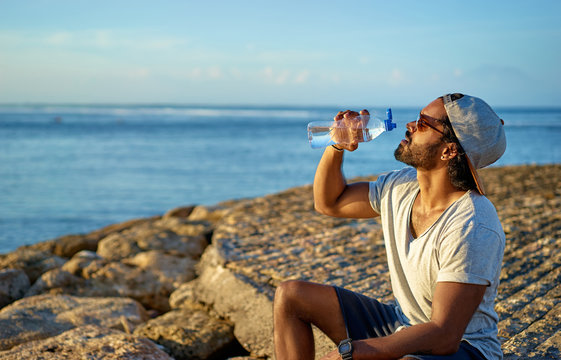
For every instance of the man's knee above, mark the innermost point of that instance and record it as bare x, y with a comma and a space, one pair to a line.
288, 291
291, 296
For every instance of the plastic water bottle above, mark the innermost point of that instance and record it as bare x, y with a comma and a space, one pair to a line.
362, 128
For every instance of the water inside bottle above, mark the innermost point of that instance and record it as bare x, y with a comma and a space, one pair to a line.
324, 135
320, 136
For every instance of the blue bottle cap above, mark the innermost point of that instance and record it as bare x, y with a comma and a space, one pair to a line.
388, 122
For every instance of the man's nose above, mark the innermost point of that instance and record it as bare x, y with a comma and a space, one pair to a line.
411, 126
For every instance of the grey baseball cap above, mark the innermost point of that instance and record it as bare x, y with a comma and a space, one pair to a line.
479, 130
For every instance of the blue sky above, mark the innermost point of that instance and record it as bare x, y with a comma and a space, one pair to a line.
337, 53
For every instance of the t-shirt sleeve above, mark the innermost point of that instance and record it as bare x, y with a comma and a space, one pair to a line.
385, 182
375, 192
470, 256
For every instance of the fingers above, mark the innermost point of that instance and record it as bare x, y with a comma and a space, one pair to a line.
350, 133
349, 114
340, 115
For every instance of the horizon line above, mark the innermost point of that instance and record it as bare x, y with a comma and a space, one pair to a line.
247, 105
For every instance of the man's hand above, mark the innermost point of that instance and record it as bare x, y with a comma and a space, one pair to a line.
348, 128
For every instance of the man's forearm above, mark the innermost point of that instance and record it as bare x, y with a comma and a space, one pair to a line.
426, 338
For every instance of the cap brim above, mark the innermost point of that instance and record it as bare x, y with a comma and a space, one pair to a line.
476, 178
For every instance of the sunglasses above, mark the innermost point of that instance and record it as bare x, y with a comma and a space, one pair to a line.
423, 125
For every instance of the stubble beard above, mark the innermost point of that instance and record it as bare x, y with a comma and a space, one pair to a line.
419, 157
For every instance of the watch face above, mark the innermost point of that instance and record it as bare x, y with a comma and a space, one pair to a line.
344, 348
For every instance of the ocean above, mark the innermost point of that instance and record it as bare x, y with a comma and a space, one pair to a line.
69, 169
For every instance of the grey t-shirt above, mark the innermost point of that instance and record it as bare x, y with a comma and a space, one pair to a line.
464, 245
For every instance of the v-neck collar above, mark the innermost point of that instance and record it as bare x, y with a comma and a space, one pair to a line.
410, 214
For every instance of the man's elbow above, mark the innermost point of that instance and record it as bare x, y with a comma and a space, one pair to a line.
324, 209
448, 348
449, 344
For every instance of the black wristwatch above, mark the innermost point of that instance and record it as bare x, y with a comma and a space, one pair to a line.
345, 348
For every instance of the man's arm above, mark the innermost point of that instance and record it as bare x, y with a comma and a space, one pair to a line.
332, 195
453, 306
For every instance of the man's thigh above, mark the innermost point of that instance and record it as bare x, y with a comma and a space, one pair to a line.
316, 304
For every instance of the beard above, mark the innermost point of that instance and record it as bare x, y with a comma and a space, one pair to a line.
419, 157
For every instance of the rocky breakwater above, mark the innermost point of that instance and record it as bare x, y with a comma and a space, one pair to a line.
198, 282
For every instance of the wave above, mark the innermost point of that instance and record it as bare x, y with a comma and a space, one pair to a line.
168, 111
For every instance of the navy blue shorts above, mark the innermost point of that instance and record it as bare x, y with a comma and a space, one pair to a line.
367, 318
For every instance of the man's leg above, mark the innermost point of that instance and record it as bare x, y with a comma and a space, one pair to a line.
297, 305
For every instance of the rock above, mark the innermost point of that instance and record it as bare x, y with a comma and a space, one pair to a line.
175, 236
33, 262
172, 271
181, 212
84, 263
67, 246
149, 277
184, 227
88, 342
13, 285
185, 296
118, 246
44, 316
189, 334
56, 281
131, 281
213, 213
247, 304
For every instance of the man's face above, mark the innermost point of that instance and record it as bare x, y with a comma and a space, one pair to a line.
420, 156
421, 149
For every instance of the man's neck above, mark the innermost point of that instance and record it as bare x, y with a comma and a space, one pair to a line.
436, 189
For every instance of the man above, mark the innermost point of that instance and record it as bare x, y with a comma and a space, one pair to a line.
443, 239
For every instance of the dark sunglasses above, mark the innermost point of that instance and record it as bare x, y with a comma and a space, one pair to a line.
423, 125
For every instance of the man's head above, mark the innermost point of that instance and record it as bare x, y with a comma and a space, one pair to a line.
471, 137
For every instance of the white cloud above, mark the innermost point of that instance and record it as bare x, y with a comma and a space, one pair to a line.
363, 60
396, 78
101, 39
214, 72
302, 77
195, 73
138, 73
236, 73
284, 76
59, 38
92, 39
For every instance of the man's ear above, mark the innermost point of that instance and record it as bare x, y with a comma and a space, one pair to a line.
449, 151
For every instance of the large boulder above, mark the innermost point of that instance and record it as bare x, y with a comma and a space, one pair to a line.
57, 281
146, 261
33, 262
88, 342
13, 285
149, 277
190, 334
44, 316
175, 236
236, 297
84, 263
171, 271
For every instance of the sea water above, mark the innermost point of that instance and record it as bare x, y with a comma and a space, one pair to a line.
74, 168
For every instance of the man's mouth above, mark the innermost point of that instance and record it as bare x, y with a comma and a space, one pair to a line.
407, 138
